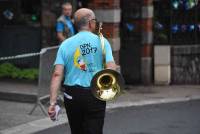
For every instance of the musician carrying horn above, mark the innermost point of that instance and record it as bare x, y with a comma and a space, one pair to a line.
79, 58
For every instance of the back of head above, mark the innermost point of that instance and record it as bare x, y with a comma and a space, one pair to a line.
82, 17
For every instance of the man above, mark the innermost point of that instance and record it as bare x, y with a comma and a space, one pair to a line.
79, 58
64, 26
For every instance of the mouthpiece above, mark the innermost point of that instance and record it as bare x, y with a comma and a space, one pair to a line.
100, 27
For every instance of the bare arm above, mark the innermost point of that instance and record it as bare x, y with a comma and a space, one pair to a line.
60, 36
54, 87
56, 82
111, 65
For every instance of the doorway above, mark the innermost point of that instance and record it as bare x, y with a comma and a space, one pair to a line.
130, 52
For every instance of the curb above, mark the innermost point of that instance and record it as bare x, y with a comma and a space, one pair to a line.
42, 124
19, 97
151, 102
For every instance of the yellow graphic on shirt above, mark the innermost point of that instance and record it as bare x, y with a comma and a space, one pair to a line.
78, 60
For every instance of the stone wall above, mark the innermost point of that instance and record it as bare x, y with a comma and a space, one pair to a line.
109, 13
185, 64
147, 41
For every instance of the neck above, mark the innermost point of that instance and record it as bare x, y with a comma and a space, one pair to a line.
67, 16
85, 29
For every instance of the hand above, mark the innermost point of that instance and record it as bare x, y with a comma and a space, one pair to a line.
52, 112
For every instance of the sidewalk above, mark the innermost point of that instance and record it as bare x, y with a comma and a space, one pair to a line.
14, 116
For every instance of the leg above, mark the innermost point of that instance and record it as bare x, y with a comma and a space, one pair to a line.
41, 107
35, 106
75, 115
94, 119
94, 125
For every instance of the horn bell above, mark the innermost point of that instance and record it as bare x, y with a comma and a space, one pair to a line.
107, 84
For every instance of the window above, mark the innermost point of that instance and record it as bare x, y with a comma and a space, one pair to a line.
19, 12
177, 22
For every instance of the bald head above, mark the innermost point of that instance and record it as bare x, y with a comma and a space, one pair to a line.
82, 17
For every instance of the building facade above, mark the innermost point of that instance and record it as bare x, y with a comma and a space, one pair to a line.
153, 41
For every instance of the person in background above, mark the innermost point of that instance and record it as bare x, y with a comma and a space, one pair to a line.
65, 27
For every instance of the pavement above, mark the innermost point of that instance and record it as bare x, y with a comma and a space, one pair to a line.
14, 117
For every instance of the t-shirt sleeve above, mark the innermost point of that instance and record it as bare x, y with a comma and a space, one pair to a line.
59, 27
108, 51
60, 57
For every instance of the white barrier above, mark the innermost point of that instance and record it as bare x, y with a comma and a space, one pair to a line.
47, 58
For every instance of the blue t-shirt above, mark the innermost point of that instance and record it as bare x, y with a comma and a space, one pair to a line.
81, 56
60, 26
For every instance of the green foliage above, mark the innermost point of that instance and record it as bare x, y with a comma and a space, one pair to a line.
8, 70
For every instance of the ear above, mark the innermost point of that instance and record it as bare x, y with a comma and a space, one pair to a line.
90, 24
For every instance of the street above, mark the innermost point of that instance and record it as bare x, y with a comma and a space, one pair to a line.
173, 118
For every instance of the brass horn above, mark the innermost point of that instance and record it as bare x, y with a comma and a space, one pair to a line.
106, 84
